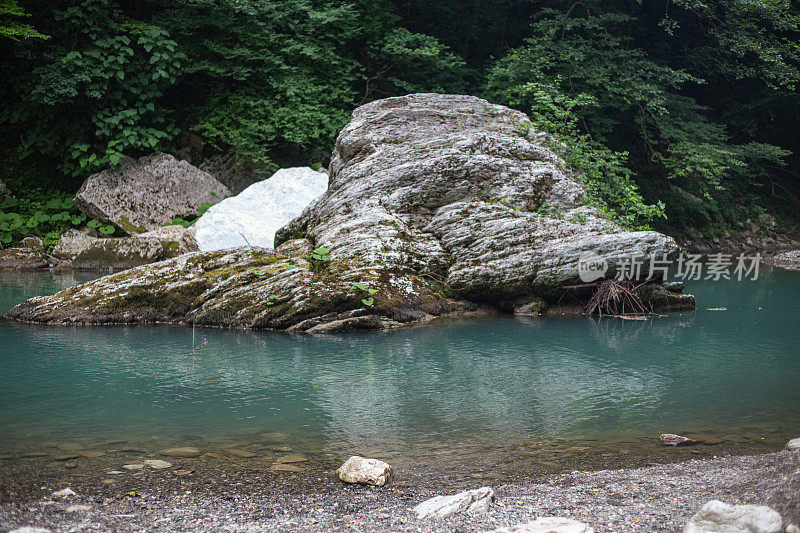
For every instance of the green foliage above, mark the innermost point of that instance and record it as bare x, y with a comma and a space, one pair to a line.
369, 301
94, 93
618, 108
46, 217
10, 25
186, 222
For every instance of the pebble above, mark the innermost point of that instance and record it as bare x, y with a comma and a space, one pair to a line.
136, 466
64, 493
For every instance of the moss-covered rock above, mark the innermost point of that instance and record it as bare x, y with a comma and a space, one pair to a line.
436, 205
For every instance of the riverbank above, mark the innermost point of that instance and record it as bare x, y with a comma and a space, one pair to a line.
652, 498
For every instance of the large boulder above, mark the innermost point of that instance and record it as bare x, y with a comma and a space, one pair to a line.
252, 217
365, 471
146, 193
718, 517
436, 204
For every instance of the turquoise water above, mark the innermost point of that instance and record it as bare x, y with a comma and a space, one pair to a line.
494, 380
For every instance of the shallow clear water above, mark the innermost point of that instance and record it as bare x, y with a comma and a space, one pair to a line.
497, 380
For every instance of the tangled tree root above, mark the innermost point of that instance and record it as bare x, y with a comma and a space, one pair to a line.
614, 297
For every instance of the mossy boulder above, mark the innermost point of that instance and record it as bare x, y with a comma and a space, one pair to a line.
436, 204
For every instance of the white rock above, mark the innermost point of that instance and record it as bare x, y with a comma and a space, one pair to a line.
718, 517
365, 471
253, 216
28, 529
158, 464
136, 466
64, 493
791, 528
793, 445
548, 524
472, 501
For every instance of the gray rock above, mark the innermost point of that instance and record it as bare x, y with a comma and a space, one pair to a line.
365, 471
173, 240
548, 524
670, 439
147, 193
718, 517
32, 242
436, 203
25, 259
88, 252
470, 501
793, 445
252, 217
156, 464
789, 260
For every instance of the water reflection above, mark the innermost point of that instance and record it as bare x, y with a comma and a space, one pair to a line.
497, 380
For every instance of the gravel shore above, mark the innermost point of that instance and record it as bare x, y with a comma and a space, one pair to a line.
652, 498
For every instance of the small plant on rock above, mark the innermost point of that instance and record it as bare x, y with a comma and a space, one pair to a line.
319, 258
369, 301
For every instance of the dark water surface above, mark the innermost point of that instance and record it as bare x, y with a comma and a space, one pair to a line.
494, 382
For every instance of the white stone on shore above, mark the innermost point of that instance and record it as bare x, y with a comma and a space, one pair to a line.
135, 466
365, 471
548, 524
472, 501
252, 217
718, 517
793, 445
28, 529
64, 493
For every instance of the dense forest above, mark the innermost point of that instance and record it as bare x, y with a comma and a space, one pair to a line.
678, 114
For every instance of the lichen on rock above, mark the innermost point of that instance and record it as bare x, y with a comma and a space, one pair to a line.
436, 204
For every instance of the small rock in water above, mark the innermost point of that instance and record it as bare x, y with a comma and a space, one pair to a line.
285, 468
77, 508
117, 472
70, 464
472, 501
158, 464
292, 458
64, 493
548, 524
365, 471
243, 454
670, 439
211, 455
136, 466
718, 517
184, 451
274, 437
793, 445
